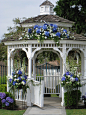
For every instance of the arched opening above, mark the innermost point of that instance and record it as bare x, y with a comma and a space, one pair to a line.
18, 59
47, 68
75, 63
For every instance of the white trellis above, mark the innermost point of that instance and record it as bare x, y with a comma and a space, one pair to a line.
31, 47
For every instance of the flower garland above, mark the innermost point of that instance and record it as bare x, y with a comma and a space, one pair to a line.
52, 32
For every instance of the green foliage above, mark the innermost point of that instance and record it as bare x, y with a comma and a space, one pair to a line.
3, 52
70, 98
3, 87
8, 94
71, 63
3, 80
74, 10
46, 56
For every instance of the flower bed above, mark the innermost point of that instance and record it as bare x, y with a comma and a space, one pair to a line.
6, 100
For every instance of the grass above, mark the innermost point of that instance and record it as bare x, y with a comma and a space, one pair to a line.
54, 95
76, 111
11, 112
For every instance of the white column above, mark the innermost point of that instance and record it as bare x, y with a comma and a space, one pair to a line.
64, 70
82, 64
60, 76
30, 61
11, 65
85, 65
8, 66
34, 73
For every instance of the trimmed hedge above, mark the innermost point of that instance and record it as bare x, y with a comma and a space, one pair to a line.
70, 98
3, 87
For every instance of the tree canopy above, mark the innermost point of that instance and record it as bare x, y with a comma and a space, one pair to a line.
74, 10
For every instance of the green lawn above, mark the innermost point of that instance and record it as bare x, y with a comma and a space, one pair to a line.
54, 95
76, 111
11, 112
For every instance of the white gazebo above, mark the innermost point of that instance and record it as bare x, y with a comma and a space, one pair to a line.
32, 48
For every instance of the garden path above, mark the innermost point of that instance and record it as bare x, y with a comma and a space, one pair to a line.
52, 106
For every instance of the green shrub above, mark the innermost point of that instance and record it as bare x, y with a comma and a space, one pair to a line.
3, 80
70, 98
3, 87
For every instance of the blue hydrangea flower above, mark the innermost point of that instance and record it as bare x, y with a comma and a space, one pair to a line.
7, 104
64, 74
3, 96
19, 78
63, 78
3, 101
13, 73
7, 98
24, 81
10, 80
71, 75
47, 33
67, 35
10, 100
51, 25
38, 31
54, 30
19, 72
39, 27
67, 73
55, 26
83, 97
0, 94
65, 30
30, 31
76, 79
58, 34
25, 76
44, 27
36, 26
14, 82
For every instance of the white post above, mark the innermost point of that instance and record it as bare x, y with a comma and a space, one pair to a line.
82, 63
60, 76
85, 64
34, 74
30, 60
8, 66
64, 70
28, 97
11, 65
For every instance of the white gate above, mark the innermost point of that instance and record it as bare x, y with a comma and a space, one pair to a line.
35, 94
51, 76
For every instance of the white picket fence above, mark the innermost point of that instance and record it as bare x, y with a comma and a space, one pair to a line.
34, 94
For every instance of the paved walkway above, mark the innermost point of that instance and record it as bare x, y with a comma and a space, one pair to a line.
52, 106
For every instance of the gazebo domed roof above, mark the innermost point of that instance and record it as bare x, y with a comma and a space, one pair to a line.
47, 3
